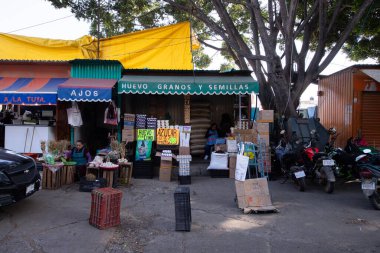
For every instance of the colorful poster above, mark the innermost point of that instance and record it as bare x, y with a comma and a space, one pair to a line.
143, 150
145, 134
167, 136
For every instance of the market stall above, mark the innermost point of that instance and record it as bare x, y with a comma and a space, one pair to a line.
29, 99
191, 98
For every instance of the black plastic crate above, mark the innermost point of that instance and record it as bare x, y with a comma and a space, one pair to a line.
143, 169
219, 173
182, 208
88, 186
184, 180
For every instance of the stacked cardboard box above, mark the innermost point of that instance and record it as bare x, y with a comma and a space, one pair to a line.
128, 133
141, 121
166, 165
105, 207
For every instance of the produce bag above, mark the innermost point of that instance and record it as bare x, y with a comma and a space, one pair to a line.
110, 115
219, 161
74, 116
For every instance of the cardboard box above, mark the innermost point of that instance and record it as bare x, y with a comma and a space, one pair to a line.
262, 128
184, 151
128, 134
253, 193
165, 173
232, 165
266, 116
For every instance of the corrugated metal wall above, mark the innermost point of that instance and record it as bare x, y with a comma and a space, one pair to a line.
335, 104
95, 69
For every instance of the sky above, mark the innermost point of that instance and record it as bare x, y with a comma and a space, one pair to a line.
38, 18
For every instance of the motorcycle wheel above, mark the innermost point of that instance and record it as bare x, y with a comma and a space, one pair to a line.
301, 184
328, 186
374, 199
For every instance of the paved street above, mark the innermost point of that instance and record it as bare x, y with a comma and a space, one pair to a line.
313, 221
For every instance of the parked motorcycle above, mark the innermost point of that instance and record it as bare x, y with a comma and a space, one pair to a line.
369, 167
293, 171
306, 161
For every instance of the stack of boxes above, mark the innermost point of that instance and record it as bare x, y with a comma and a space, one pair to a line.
232, 153
265, 117
184, 176
128, 132
105, 207
141, 121
151, 123
166, 165
162, 123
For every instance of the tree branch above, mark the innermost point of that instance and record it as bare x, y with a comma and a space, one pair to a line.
344, 35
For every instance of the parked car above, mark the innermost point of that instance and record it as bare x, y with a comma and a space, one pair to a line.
19, 177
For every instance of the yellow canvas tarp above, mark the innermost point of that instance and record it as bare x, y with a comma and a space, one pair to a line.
167, 47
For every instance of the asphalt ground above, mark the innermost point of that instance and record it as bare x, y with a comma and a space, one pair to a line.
311, 221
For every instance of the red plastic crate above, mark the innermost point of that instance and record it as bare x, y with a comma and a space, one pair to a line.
105, 207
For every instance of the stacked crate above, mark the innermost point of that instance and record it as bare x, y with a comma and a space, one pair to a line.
105, 207
182, 209
184, 176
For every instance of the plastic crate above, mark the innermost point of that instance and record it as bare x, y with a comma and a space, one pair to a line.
143, 169
88, 186
182, 208
184, 180
219, 173
105, 207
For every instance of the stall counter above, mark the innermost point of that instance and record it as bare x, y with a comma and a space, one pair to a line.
27, 138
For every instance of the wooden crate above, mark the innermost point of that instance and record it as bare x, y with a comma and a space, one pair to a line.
51, 180
125, 173
67, 174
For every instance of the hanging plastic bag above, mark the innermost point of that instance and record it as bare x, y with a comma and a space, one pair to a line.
242, 162
110, 114
74, 116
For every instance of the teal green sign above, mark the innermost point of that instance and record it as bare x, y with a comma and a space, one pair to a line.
187, 85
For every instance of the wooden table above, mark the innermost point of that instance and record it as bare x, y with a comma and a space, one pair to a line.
125, 173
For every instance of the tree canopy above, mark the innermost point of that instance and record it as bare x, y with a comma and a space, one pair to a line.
287, 43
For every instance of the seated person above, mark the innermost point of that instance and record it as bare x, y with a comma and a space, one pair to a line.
81, 156
211, 135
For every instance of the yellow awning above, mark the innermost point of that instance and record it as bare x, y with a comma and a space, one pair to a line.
167, 47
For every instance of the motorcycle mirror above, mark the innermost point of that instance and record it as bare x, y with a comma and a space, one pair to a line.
366, 151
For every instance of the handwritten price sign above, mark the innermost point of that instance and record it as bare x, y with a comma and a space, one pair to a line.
167, 136
145, 134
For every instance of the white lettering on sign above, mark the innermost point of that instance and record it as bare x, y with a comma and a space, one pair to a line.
134, 86
84, 93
